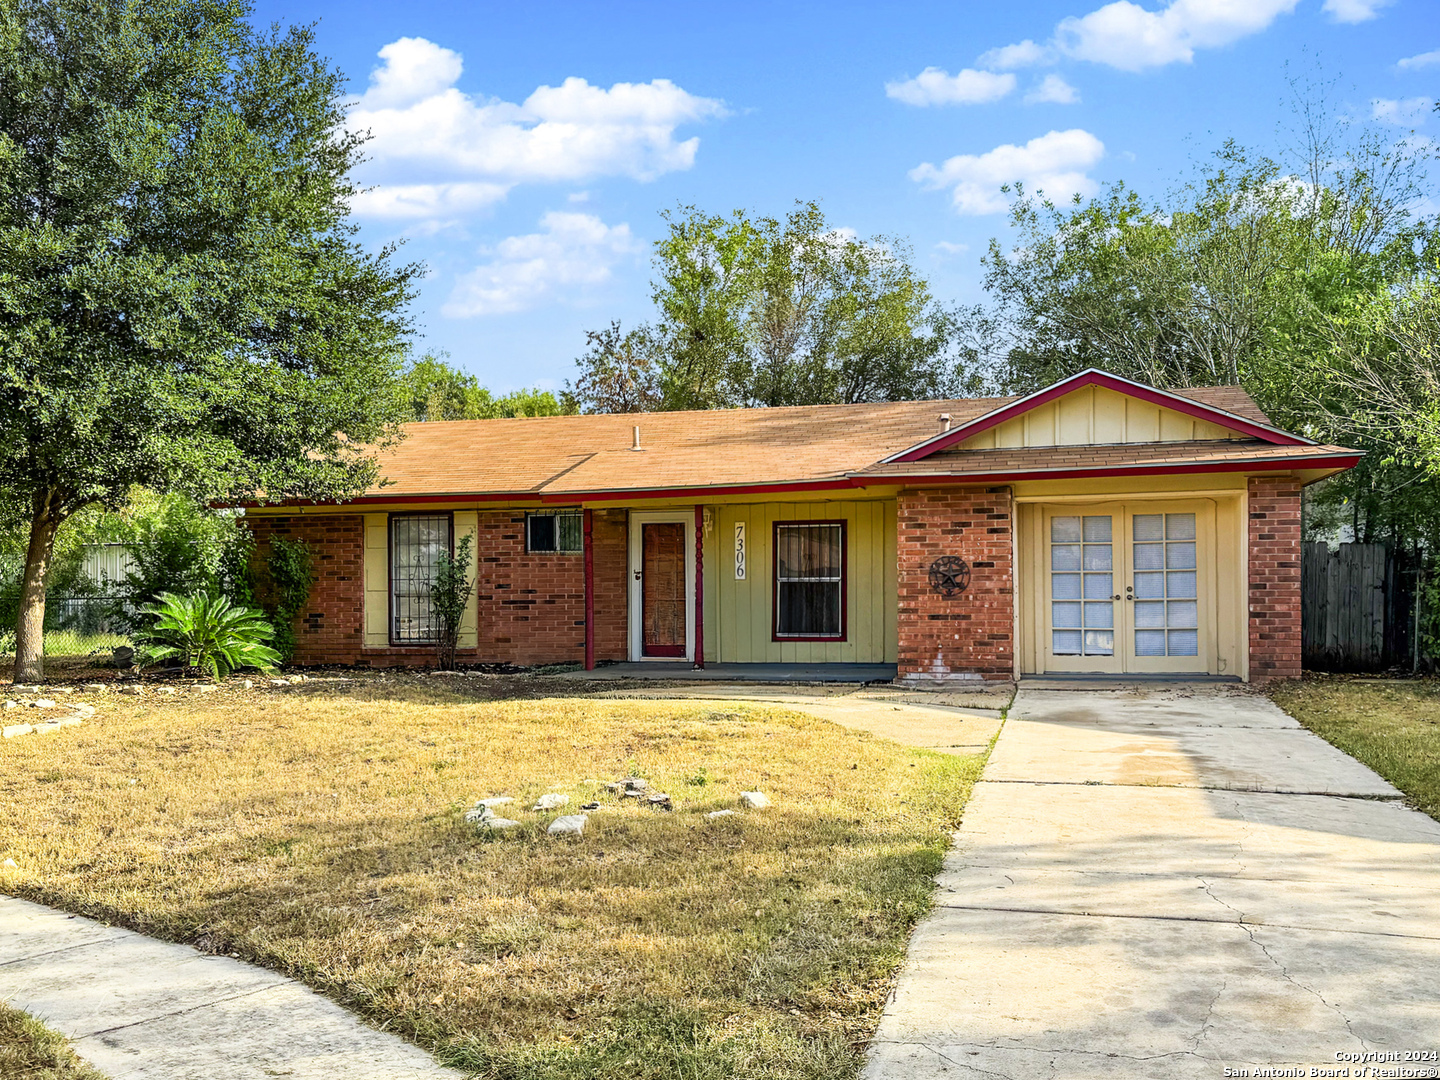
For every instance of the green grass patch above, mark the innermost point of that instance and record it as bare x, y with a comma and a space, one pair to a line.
31, 1051
1391, 726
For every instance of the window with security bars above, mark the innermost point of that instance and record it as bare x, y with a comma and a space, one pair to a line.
1082, 579
810, 580
1167, 616
416, 544
560, 531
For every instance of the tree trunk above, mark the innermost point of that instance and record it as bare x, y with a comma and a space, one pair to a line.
45, 519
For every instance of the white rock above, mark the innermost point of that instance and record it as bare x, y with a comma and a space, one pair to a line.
10, 863
93, 687
205, 688
43, 703
17, 729
496, 800
246, 684
10, 705
480, 813
130, 688
25, 688
296, 680
754, 800
81, 709
551, 802
498, 823
719, 814
567, 825
279, 682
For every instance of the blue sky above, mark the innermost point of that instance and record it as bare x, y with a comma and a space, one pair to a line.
525, 151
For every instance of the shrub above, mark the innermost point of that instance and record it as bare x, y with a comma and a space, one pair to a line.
208, 634
292, 575
449, 593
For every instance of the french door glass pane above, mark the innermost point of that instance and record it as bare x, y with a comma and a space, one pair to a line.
1082, 543
1164, 555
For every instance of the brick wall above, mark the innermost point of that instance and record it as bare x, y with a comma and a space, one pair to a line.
972, 633
1274, 586
531, 607
330, 629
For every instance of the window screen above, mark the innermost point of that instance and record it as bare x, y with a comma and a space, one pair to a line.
416, 544
559, 531
809, 580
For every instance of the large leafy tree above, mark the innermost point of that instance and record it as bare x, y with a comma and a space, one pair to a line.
183, 302
760, 311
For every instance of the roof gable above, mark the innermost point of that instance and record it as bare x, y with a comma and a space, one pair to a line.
1069, 413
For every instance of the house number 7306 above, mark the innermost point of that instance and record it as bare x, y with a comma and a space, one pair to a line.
739, 551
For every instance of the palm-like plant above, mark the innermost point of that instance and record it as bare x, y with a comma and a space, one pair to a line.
208, 634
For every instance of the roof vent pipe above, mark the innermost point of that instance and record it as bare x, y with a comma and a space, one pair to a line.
944, 421
637, 445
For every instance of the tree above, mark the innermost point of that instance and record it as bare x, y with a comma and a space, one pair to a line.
434, 390
183, 303
758, 311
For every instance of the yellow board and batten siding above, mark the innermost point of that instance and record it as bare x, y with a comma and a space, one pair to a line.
1095, 416
739, 615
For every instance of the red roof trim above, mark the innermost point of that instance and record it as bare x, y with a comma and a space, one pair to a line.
1330, 461
1092, 377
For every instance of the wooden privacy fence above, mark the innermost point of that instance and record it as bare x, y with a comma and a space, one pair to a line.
1357, 607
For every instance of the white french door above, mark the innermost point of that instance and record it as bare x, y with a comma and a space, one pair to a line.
1127, 587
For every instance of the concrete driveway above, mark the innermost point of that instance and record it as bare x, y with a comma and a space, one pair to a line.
1166, 882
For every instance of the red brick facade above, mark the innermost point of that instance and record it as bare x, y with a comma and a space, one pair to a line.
971, 634
531, 607
1274, 585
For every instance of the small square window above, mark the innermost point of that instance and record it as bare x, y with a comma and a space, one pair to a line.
558, 531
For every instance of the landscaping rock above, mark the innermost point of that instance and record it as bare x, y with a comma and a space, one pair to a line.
124, 656
479, 814
17, 729
496, 800
42, 703
632, 787
246, 684
567, 825
551, 802
753, 800
10, 705
10, 863
204, 688
131, 688
713, 814
590, 806
659, 801
94, 687
501, 823
24, 688
279, 682
81, 709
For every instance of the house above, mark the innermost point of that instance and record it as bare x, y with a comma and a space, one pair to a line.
1098, 525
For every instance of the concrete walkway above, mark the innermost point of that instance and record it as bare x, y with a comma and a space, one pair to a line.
141, 1009
1162, 883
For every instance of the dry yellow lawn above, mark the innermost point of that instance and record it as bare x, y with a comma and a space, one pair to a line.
318, 831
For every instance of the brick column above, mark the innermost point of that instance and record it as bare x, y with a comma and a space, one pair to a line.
1274, 585
971, 635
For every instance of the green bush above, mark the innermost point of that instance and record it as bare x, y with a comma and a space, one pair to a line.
291, 566
208, 634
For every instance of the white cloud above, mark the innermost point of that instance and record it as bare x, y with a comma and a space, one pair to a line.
1424, 60
1127, 36
572, 252
947, 248
1354, 11
430, 201
1055, 163
429, 134
936, 87
1052, 89
1022, 54
1406, 112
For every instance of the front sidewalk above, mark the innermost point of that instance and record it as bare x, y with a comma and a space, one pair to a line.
141, 1009
1162, 882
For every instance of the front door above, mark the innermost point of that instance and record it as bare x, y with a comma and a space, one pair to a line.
662, 588
1126, 588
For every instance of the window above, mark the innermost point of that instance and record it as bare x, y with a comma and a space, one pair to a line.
416, 543
810, 580
1082, 607
1166, 606
560, 531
